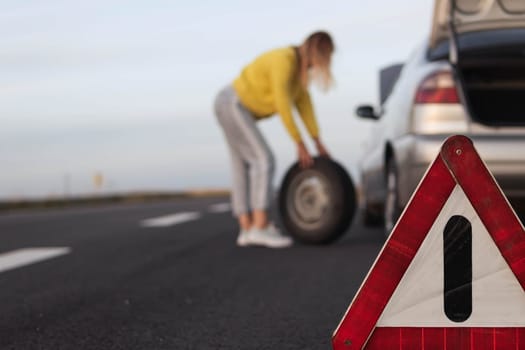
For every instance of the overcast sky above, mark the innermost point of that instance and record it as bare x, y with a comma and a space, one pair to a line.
125, 88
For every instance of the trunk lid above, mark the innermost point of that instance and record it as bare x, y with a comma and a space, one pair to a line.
474, 16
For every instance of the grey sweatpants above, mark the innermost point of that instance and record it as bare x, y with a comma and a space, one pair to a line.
251, 158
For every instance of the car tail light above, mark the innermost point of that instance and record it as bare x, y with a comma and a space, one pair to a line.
437, 108
437, 88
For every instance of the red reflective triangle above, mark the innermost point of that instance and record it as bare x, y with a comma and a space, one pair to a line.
458, 163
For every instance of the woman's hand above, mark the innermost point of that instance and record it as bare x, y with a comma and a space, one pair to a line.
305, 159
321, 149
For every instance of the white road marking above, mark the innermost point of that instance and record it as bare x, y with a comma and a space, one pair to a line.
22, 257
219, 208
170, 220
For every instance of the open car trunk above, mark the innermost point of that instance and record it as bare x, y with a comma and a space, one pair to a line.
485, 42
494, 86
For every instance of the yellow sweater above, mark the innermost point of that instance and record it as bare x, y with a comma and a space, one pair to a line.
271, 84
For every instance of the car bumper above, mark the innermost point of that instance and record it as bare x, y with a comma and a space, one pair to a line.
504, 156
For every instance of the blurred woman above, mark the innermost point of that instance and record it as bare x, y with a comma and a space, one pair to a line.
272, 84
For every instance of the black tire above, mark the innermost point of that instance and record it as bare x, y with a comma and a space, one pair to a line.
392, 209
317, 204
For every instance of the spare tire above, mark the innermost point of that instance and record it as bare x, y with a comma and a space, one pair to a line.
317, 204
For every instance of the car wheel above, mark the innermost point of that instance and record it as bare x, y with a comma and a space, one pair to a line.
317, 204
392, 209
372, 218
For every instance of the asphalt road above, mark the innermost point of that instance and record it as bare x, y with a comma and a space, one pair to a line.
123, 278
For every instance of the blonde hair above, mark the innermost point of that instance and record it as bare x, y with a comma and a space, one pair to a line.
316, 54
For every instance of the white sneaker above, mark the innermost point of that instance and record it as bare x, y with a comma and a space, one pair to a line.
243, 239
268, 237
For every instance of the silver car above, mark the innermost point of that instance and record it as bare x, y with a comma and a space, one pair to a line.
467, 78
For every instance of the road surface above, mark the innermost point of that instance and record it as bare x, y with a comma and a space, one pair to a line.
168, 275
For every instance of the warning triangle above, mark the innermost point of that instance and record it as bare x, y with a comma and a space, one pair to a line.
401, 300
